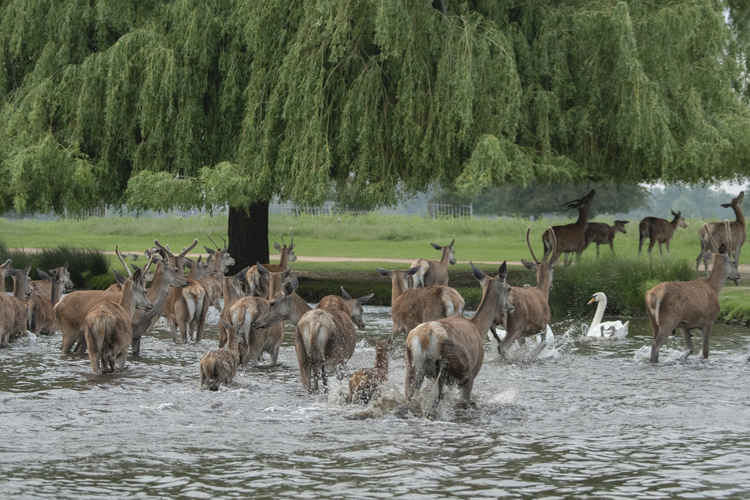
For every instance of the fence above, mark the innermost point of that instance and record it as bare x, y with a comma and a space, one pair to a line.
438, 210
434, 210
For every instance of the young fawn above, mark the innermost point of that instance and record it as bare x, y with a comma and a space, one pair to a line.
365, 382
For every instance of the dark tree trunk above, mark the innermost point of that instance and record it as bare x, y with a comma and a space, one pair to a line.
248, 234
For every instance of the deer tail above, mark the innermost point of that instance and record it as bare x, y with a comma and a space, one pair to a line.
653, 303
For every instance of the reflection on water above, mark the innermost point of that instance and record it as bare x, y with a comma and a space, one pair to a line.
588, 419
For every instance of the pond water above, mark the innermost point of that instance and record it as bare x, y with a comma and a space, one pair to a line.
588, 419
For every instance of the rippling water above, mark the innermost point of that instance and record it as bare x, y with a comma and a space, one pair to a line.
592, 419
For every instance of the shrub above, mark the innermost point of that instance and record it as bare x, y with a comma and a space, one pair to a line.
82, 263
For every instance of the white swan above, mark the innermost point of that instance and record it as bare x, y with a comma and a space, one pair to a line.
608, 329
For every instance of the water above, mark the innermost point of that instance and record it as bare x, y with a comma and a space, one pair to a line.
592, 419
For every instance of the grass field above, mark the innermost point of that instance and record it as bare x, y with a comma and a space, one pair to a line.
371, 236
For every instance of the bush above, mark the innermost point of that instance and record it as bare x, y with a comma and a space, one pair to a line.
82, 263
625, 281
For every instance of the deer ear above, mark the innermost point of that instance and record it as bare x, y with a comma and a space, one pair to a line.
365, 299
436, 246
478, 274
262, 269
290, 285
726, 205
277, 246
209, 251
452, 242
345, 294
382, 271
43, 275
118, 277
291, 243
502, 272
527, 264
412, 270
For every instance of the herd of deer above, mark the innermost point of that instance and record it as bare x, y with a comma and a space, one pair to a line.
440, 342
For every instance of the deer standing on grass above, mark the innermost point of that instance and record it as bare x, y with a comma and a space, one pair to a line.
220, 366
604, 234
451, 350
434, 272
659, 230
731, 234
364, 383
167, 277
14, 314
412, 306
47, 293
689, 304
570, 238
531, 312
108, 326
186, 307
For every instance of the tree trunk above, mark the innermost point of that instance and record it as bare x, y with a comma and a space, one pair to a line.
248, 234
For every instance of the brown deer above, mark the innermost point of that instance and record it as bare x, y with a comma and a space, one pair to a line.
325, 338
365, 382
218, 263
659, 230
451, 350
232, 290
570, 238
185, 308
531, 312
603, 234
689, 304
108, 328
412, 306
43, 299
731, 234
286, 255
167, 277
434, 272
14, 314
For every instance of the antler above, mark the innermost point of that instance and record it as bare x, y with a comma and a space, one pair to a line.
122, 259
528, 243
186, 250
163, 248
213, 242
553, 252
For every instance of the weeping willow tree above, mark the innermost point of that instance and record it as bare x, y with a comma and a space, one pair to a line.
186, 103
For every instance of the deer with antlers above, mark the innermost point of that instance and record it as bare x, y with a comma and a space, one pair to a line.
689, 305
220, 366
531, 312
108, 326
728, 233
212, 274
570, 238
412, 306
434, 272
14, 308
602, 233
659, 230
47, 293
451, 350
185, 308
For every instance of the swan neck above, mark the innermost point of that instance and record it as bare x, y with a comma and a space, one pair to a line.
599, 314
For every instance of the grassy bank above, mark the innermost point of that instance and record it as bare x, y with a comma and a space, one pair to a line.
735, 304
372, 236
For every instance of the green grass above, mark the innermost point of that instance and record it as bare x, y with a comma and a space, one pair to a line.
371, 236
735, 304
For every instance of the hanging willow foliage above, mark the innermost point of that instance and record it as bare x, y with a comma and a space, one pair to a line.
190, 102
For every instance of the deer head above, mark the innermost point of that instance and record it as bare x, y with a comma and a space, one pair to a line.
545, 268
678, 220
281, 307
736, 201
620, 226
291, 256
356, 306
448, 255
498, 288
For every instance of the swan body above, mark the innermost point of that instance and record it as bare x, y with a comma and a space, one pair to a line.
605, 329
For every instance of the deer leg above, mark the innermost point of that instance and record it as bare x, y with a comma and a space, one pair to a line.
706, 335
611, 247
688, 342
136, 346
597, 250
658, 341
324, 377
651, 244
667, 244
640, 243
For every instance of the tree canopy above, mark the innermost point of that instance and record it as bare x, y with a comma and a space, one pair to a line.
190, 102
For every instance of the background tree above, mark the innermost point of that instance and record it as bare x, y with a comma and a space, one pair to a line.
193, 103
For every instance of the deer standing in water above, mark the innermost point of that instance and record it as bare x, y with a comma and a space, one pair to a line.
364, 383
604, 234
434, 272
451, 350
570, 238
14, 314
412, 306
731, 234
47, 293
531, 312
108, 326
286, 256
659, 230
689, 304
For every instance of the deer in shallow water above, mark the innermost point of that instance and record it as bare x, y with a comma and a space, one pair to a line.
659, 230
728, 233
689, 305
412, 306
364, 383
531, 312
286, 256
47, 293
603, 234
451, 350
570, 238
14, 314
434, 272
